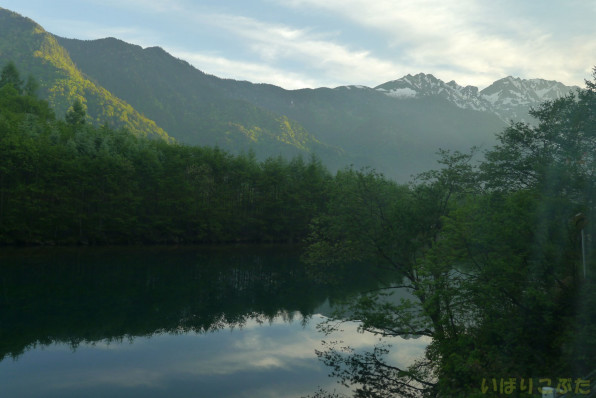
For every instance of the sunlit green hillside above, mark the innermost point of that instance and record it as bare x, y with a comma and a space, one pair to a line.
191, 105
36, 52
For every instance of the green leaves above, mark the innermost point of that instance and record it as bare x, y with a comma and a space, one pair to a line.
10, 76
489, 256
70, 182
76, 115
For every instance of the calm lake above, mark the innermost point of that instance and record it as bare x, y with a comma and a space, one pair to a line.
170, 322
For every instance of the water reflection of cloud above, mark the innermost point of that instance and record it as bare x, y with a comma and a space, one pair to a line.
403, 353
258, 360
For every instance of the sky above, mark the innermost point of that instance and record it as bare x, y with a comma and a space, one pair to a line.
328, 43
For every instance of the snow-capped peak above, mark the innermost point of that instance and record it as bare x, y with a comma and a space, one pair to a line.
426, 85
509, 98
513, 97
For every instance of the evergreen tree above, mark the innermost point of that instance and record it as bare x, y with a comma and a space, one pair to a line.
76, 115
10, 75
31, 86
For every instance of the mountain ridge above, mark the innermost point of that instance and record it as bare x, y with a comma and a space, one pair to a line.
510, 98
395, 127
36, 52
184, 100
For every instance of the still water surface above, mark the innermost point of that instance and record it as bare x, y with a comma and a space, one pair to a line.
169, 322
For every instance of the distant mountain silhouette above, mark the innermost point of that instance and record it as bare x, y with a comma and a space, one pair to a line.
395, 127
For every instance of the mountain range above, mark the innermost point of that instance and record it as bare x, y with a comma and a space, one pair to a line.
509, 98
395, 127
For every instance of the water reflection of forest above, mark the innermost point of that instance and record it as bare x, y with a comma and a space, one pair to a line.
86, 295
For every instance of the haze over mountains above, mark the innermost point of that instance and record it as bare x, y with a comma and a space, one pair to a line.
395, 127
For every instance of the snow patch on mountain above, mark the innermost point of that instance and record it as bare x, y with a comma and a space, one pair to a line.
509, 98
353, 86
402, 93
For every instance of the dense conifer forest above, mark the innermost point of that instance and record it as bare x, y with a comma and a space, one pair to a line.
69, 182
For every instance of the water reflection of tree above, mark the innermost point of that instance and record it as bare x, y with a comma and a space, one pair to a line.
79, 296
492, 255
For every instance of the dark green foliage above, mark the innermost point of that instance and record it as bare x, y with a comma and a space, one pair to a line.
76, 115
71, 182
59, 81
490, 257
186, 102
10, 76
31, 86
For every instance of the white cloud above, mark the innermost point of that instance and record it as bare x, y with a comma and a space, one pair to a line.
243, 70
143, 5
84, 30
453, 40
266, 351
476, 42
276, 44
353, 41
272, 52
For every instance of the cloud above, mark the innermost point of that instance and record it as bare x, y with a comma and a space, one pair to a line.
282, 54
311, 53
85, 30
470, 40
143, 6
268, 360
310, 43
255, 72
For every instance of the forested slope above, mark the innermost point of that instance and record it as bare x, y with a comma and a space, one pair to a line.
191, 105
71, 182
37, 53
